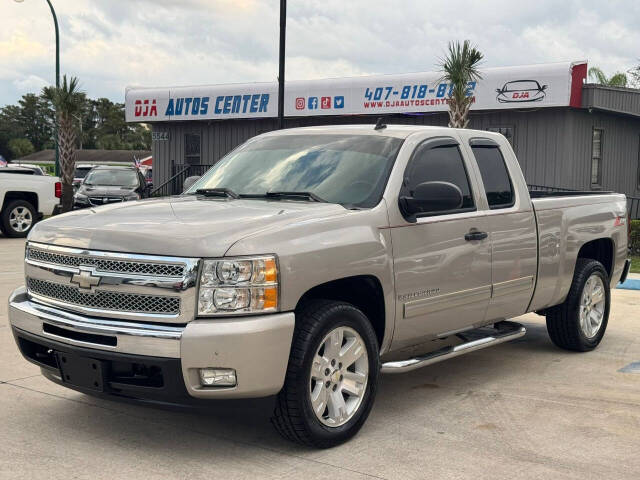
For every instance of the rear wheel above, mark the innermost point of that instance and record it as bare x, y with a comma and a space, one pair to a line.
332, 375
18, 218
580, 322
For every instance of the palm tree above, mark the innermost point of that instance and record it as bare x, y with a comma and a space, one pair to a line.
67, 101
460, 67
617, 79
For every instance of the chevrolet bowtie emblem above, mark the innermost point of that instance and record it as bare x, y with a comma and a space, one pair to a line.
85, 279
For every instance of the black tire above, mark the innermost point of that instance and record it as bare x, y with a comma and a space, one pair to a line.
293, 416
7, 229
563, 321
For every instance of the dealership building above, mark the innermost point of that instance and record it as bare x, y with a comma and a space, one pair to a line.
566, 133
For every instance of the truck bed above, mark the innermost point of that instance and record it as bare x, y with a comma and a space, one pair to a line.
566, 220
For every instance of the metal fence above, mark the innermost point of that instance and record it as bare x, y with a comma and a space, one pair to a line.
545, 188
179, 174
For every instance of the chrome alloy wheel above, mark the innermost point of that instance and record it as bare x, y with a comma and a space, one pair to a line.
20, 219
339, 375
592, 306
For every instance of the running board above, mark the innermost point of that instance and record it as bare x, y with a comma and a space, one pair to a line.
504, 332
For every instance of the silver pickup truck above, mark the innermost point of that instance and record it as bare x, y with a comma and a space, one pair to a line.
308, 261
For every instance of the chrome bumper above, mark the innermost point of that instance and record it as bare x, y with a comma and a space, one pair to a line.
133, 338
256, 347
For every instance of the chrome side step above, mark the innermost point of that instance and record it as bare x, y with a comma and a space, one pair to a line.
503, 332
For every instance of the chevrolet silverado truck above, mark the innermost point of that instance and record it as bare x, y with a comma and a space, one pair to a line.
26, 197
308, 261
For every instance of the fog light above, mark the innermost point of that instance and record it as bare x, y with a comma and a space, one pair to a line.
217, 377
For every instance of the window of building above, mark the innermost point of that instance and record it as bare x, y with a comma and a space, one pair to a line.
439, 163
638, 162
192, 149
507, 131
495, 176
596, 157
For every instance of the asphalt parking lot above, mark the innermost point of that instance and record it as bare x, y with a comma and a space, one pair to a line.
520, 410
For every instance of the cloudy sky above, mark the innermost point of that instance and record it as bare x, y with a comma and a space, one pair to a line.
110, 44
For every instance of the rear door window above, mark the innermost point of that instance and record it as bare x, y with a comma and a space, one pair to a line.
495, 176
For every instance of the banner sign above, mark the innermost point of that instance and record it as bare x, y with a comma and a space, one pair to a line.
531, 86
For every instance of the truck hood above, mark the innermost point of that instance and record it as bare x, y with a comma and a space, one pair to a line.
187, 226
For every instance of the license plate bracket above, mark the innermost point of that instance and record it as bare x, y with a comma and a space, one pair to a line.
81, 371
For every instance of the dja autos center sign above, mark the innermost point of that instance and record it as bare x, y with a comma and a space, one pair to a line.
550, 85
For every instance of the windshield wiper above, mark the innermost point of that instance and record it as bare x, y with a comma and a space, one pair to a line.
308, 195
217, 192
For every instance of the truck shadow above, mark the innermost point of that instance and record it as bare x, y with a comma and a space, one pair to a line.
223, 425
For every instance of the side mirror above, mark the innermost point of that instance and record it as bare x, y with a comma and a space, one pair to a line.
189, 181
432, 197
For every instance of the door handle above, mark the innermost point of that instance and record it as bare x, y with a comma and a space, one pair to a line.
475, 236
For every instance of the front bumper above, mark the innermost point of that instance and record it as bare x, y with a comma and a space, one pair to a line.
257, 347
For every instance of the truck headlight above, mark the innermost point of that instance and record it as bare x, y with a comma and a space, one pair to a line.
238, 285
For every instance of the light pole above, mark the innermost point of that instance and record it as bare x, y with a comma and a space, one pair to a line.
55, 23
283, 29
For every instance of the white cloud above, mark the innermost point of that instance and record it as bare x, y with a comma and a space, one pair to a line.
113, 43
30, 83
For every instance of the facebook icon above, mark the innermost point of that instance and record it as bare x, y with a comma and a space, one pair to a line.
338, 101
313, 103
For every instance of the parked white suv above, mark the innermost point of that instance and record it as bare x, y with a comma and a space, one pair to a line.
26, 198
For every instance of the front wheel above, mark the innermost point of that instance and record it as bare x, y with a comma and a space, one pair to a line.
580, 322
332, 375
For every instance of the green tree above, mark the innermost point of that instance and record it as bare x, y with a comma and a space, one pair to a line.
37, 118
618, 79
10, 127
635, 76
459, 67
20, 147
67, 101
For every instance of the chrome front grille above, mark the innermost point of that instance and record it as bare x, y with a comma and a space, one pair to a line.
105, 264
112, 284
97, 201
105, 299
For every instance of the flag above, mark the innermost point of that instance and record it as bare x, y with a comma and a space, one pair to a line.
3, 162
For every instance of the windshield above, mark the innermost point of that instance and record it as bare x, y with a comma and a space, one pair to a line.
346, 169
115, 178
81, 172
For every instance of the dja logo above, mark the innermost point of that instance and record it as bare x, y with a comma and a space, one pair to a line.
300, 103
144, 109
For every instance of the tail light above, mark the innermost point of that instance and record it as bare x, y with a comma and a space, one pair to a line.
58, 190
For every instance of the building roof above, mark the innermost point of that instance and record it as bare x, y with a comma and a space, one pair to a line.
89, 156
620, 100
